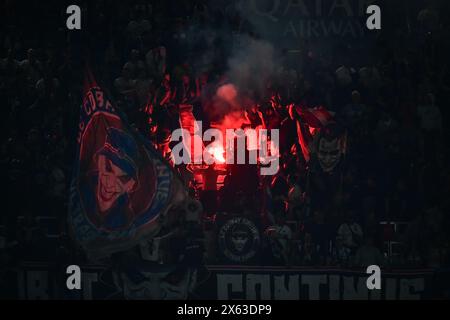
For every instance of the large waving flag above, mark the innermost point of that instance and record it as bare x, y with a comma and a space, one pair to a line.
121, 188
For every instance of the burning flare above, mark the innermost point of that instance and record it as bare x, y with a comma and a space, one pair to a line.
217, 153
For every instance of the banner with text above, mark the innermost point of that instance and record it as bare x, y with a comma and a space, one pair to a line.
260, 283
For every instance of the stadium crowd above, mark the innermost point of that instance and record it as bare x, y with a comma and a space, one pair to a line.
385, 203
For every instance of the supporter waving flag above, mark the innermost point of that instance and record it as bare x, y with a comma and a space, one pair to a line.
121, 189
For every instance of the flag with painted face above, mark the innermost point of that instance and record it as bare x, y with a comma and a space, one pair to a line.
122, 188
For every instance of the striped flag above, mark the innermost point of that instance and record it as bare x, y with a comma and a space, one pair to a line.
314, 118
193, 143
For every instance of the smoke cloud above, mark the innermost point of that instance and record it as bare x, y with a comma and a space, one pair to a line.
250, 69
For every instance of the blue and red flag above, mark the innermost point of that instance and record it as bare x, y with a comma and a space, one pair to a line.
121, 188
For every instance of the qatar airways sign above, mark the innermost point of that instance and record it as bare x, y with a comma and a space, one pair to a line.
261, 146
311, 19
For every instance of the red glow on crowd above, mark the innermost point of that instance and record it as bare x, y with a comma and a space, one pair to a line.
217, 152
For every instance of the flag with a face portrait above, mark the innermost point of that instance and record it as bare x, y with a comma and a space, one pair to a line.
122, 188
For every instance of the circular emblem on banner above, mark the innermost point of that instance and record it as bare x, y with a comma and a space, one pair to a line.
239, 239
